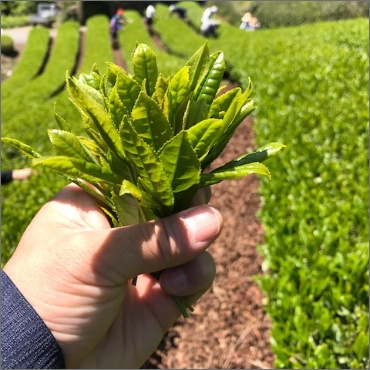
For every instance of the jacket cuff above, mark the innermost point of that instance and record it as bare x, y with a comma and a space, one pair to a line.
26, 342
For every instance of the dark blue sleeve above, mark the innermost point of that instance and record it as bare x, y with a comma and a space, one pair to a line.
26, 342
6, 177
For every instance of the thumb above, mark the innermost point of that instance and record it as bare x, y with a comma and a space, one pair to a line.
152, 246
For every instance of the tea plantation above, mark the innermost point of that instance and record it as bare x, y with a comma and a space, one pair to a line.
310, 85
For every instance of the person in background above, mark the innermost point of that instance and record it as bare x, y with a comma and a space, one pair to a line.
208, 24
249, 23
178, 11
149, 14
18, 174
67, 295
116, 23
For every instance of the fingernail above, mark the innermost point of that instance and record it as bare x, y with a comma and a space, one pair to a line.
204, 224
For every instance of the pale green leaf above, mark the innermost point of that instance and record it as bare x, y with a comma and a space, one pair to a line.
144, 199
260, 155
93, 79
237, 111
178, 91
23, 148
98, 116
83, 84
222, 103
77, 168
271, 148
202, 135
127, 209
62, 123
161, 87
231, 173
69, 145
208, 87
128, 91
180, 163
144, 62
148, 166
198, 64
149, 122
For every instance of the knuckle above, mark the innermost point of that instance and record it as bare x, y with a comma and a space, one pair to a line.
165, 241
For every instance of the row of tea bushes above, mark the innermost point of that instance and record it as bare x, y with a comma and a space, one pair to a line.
312, 96
63, 56
170, 27
97, 50
135, 32
30, 63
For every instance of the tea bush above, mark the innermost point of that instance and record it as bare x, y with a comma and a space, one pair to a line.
30, 62
7, 46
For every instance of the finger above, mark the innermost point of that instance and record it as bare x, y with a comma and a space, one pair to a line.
153, 246
202, 196
191, 278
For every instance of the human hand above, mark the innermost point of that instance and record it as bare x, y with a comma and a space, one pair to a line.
22, 173
75, 270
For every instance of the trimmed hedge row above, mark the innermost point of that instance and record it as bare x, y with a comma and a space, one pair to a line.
312, 97
169, 29
63, 57
30, 62
135, 32
97, 50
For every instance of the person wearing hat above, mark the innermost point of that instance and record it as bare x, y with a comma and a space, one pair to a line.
116, 23
208, 24
249, 22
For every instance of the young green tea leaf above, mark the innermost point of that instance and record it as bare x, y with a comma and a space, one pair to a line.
221, 104
202, 135
160, 89
198, 64
144, 62
232, 173
148, 166
98, 116
149, 122
77, 168
69, 145
128, 90
62, 123
208, 88
180, 163
23, 148
177, 95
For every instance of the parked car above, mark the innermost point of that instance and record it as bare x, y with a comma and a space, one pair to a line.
46, 14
